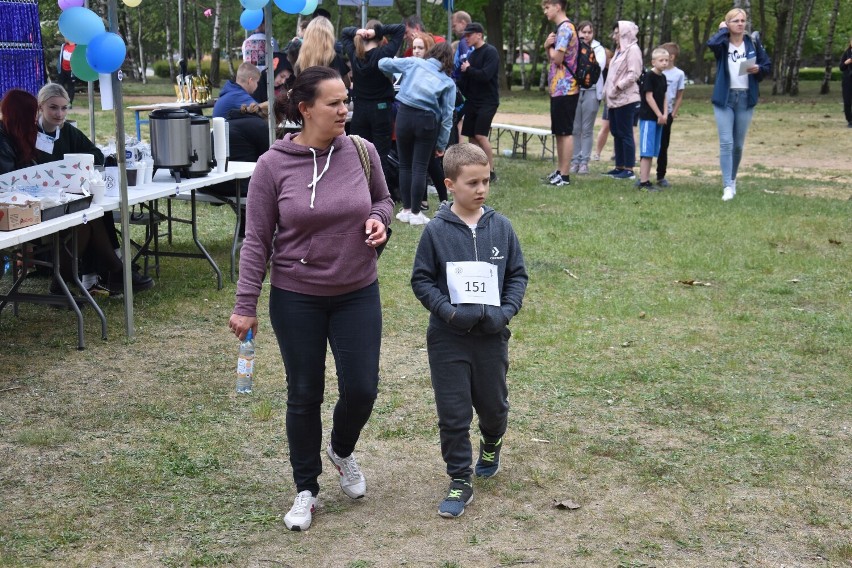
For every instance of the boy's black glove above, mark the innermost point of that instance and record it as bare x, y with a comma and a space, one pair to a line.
466, 316
494, 320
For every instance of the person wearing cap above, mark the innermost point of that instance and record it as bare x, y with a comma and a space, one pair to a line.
478, 84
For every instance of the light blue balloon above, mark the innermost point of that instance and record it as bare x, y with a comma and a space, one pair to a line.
309, 8
251, 19
291, 6
80, 25
254, 4
105, 52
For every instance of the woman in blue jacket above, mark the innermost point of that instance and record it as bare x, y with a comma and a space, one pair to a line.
741, 63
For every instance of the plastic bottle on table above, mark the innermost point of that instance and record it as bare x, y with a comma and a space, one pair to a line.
245, 365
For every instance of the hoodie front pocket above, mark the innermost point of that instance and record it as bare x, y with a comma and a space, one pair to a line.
336, 258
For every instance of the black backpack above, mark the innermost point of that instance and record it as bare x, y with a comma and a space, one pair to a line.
588, 70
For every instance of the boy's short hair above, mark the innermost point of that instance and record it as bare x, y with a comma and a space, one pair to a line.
672, 48
460, 155
659, 52
247, 71
563, 4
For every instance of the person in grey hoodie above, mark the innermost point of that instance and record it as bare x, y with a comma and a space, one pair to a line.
315, 220
622, 94
467, 251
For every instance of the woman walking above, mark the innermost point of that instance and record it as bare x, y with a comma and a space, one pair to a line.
426, 98
741, 63
316, 220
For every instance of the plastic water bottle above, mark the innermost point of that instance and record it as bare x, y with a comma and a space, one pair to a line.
245, 365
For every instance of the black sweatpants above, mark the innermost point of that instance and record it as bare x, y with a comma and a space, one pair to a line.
468, 373
663, 158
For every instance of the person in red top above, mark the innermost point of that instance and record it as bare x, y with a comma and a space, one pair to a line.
66, 77
413, 27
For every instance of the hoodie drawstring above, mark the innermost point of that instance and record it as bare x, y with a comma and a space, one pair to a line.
313, 184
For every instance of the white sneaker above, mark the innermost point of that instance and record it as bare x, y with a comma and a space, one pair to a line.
351, 479
419, 219
300, 514
596, 157
404, 216
430, 189
728, 193
574, 168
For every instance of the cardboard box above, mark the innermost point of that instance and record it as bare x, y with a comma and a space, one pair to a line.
16, 217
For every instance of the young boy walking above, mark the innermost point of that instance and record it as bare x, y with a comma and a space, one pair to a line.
469, 273
675, 84
653, 114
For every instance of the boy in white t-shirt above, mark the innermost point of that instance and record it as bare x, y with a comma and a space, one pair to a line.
675, 83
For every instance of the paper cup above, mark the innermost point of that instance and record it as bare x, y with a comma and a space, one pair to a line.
98, 190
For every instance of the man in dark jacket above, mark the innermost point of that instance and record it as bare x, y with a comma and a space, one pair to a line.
236, 93
478, 84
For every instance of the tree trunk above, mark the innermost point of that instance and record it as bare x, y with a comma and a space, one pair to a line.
651, 28
797, 51
619, 9
198, 51
597, 18
229, 37
216, 50
784, 25
665, 23
142, 64
829, 47
167, 20
494, 26
761, 7
699, 43
124, 17
536, 57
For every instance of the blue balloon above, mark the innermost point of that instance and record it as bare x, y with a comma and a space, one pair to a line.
310, 7
105, 52
254, 4
80, 25
291, 6
251, 19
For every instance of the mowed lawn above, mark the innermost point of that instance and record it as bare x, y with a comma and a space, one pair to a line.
680, 385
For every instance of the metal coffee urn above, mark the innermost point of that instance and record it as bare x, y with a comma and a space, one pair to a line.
202, 146
171, 144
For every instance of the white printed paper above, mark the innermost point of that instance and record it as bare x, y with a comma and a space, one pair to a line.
747, 64
473, 283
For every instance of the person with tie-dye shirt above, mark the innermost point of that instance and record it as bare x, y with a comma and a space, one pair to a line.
562, 47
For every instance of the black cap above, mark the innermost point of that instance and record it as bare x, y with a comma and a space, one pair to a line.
473, 28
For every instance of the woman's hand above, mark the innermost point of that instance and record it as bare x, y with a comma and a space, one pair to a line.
376, 233
723, 25
753, 70
439, 153
240, 325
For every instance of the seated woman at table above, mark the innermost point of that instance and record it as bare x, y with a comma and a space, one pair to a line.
17, 137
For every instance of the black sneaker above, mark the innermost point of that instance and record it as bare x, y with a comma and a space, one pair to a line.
645, 186
561, 180
488, 463
459, 495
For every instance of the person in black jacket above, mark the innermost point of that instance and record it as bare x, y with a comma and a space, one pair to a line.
480, 88
846, 69
372, 91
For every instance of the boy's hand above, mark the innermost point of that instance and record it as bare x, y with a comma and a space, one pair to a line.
494, 320
466, 316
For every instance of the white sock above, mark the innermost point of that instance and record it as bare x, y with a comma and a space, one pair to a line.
89, 280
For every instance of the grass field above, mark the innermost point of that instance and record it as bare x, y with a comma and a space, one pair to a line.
680, 371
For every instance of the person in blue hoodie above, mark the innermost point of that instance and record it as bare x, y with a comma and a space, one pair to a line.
469, 273
237, 93
741, 63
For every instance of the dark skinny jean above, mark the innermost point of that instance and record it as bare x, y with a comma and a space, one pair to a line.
373, 121
304, 326
416, 134
621, 126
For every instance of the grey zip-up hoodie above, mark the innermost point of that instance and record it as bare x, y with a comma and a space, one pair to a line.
306, 213
448, 239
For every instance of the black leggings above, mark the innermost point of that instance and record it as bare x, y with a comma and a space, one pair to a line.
305, 326
416, 134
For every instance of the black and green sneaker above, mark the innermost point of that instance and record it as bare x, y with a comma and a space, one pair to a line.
459, 495
488, 463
